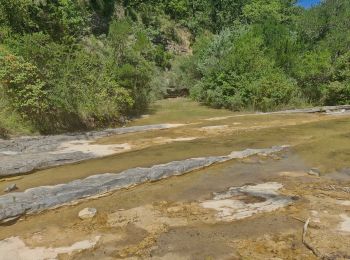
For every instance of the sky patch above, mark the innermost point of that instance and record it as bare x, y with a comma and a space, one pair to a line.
308, 3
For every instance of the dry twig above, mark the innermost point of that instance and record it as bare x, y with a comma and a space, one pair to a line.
307, 244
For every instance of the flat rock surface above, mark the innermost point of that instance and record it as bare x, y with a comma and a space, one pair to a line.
243, 202
325, 109
37, 199
26, 154
14, 248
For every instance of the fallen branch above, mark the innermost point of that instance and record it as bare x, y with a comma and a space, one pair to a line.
306, 225
307, 244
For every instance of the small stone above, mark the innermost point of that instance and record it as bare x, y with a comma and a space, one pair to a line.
10, 188
87, 213
314, 172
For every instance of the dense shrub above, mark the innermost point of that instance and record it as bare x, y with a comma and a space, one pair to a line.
273, 55
93, 83
236, 74
23, 85
337, 93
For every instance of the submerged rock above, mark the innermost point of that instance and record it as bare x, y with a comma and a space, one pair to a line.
87, 213
10, 188
37, 199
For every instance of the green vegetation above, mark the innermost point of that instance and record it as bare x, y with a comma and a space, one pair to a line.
73, 65
67, 65
273, 55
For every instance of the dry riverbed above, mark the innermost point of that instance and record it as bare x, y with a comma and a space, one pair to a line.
257, 206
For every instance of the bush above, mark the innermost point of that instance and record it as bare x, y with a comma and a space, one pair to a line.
23, 86
95, 83
237, 74
313, 70
337, 93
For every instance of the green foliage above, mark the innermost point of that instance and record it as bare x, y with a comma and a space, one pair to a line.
273, 54
236, 74
337, 93
327, 26
313, 71
259, 11
10, 121
87, 92
342, 67
62, 19
21, 82
59, 81
177, 8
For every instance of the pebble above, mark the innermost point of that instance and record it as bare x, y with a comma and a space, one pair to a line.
10, 188
314, 172
87, 213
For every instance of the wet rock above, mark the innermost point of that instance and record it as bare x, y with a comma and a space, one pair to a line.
242, 202
26, 154
87, 213
314, 172
37, 199
10, 188
325, 109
